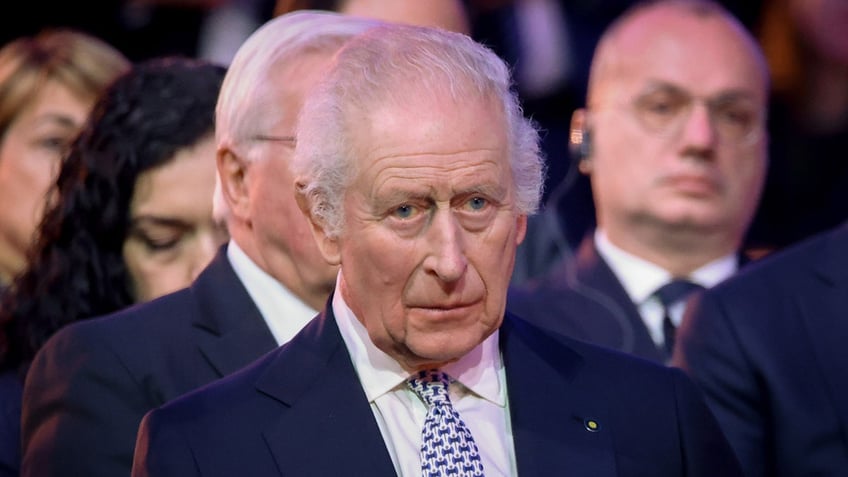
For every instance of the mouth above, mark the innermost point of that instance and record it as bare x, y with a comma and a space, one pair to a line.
694, 185
445, 311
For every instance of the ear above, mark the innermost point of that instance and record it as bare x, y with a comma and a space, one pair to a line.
232, 174
521, 229
579, 141
327, 245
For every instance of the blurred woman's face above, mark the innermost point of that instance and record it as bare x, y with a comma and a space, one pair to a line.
172, 235
30, 155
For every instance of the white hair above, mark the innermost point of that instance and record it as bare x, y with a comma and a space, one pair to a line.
247, 104
384, 67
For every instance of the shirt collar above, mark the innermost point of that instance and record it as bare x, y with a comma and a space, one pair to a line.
641, 278
283, 312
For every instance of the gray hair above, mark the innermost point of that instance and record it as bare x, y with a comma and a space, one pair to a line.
247, 105
384, 66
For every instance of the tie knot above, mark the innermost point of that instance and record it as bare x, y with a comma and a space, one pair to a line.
676, 290
431, 386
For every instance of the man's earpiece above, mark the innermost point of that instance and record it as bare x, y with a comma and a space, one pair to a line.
581, 144
580, 141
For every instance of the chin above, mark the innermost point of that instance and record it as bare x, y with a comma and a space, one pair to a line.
443, 350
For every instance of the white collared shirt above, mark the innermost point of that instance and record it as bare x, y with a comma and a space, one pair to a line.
641, 279
284, 313
479, 395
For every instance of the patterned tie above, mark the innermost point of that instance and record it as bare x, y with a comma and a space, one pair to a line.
447, 447
669, 294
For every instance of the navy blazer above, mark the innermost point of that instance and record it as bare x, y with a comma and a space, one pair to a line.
301, 411
91, 384
582, 298
770, 349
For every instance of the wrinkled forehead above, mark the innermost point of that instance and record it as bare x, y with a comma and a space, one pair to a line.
433, 113
703, 52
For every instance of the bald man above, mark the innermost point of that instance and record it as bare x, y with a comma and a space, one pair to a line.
673, 140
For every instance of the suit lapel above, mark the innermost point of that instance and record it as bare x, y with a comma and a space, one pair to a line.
315, 380
230, 330
621, 327
323, 406
551, 428
826, 319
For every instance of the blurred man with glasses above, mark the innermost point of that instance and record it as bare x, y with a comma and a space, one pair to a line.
673, 139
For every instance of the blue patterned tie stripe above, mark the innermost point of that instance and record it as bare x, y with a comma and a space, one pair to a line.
447, 447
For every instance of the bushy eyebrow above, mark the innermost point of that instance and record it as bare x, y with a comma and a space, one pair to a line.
495, 191
400, 196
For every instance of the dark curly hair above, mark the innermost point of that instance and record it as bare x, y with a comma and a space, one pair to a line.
76, 267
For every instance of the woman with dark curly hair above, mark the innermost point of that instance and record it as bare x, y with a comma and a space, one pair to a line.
131, 211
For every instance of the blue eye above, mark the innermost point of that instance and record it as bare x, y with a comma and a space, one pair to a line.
477, 203
404, 211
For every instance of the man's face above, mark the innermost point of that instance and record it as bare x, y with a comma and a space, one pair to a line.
172, 236
677, 125
286, 245
430, 229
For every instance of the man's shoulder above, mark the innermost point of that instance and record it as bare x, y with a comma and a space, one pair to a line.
169, 311
164, 319
231, 398
591, 358
785, 270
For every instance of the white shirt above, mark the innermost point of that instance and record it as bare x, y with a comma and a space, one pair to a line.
283, 312
641, 279
479, 395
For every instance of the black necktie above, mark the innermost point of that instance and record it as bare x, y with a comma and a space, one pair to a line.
669, 294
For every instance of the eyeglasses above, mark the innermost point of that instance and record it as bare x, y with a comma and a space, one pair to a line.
738, 118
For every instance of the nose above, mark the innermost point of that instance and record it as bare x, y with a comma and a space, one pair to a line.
446, 258
699, 132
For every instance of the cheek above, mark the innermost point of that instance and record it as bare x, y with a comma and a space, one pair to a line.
745, 174
269, 185
133, 261
614, 185
295, 222
622, 163
381, 256
379, 268
28, 177
495, 273
152, 279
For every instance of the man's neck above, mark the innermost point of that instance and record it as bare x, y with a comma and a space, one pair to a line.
680, 252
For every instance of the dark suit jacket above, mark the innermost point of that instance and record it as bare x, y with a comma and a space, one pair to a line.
11, 389
770, 349
582, 298
91, 384
301, 411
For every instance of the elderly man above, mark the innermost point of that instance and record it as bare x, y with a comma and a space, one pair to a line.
417, 171
673, 139
91, 384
